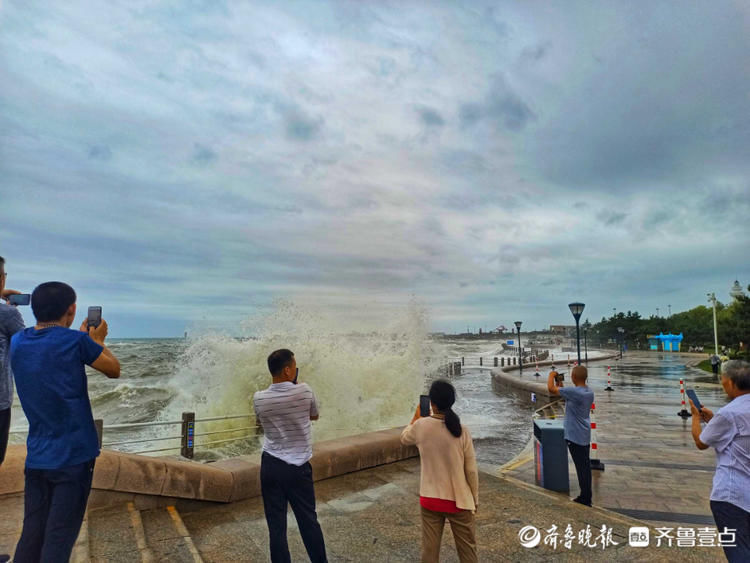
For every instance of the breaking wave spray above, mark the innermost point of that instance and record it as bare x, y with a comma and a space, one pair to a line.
364, 379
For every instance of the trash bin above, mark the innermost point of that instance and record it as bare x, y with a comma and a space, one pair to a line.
550, 455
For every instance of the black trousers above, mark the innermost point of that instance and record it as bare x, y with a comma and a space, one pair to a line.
54, 506
582, 459
728, 515
4, 431
282, 484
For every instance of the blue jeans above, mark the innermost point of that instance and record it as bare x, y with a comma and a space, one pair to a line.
727, 515
54, 506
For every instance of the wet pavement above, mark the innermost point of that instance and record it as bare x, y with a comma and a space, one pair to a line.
653, 471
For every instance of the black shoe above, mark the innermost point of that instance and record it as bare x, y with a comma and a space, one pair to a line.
579, 500
4, 557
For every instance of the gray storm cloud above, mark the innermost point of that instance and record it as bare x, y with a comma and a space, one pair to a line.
493, 160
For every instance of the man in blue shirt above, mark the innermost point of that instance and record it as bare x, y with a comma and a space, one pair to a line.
578, 401
728, 432
48, 363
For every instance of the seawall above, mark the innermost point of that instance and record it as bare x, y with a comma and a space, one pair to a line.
120, 477
510, 377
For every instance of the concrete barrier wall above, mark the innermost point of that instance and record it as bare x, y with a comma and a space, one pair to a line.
120, 475
512, 378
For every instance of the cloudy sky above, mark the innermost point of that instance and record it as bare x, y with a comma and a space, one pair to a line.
186, 163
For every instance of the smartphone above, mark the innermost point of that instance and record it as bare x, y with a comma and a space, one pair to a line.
296, 375
693, 397
95, 316
424, 405
19, 299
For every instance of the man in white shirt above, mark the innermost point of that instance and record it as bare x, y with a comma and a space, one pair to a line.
285, 410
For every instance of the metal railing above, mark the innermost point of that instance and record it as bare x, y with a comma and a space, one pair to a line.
187, 435
496, 361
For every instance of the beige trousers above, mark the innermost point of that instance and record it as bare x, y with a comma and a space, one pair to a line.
462, 526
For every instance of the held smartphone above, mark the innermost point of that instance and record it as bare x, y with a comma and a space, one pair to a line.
19, 299
296, 375
95, 317
693, 397
424, 405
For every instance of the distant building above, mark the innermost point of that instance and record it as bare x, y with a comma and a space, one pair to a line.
669, 342
563, 330
736, 291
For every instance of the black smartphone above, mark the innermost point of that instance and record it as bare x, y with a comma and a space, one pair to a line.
95, 316
296, 375
693, 397
19, 299
424, 405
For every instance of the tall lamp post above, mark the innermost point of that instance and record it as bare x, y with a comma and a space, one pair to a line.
577, 309
712, 299
520, 357
586, 343
621, 339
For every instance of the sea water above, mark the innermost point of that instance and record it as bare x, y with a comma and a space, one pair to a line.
364, 379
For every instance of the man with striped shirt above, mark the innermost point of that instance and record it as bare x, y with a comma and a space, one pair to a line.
285, 410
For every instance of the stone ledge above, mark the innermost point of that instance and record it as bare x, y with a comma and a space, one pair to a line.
118, 475
532, 384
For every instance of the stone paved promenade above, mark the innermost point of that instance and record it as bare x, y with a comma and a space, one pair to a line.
373, 515
653, 472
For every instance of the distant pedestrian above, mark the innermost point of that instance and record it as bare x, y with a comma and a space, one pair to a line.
48, 363
715, 363
285, 410
449, 482
728, 432
577, 426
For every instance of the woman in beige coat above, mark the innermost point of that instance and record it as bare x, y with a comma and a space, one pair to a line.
449, 482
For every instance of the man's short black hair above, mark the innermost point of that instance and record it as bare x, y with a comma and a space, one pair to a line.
278, 360
51, 300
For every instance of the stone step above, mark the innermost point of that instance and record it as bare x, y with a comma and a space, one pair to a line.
80, 552
166, 536
111, 534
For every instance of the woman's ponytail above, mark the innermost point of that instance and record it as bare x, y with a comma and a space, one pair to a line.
443, 395
453, 423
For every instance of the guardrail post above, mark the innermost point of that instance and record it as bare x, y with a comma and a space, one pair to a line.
188, 435
462, 361
99, 424
480, 360
502, 361
495, 361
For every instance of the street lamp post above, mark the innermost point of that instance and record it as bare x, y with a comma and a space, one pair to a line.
577, 309
621, 331
520, 357
712, 299
586, 343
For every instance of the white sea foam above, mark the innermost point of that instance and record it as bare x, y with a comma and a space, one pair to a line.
364, 380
